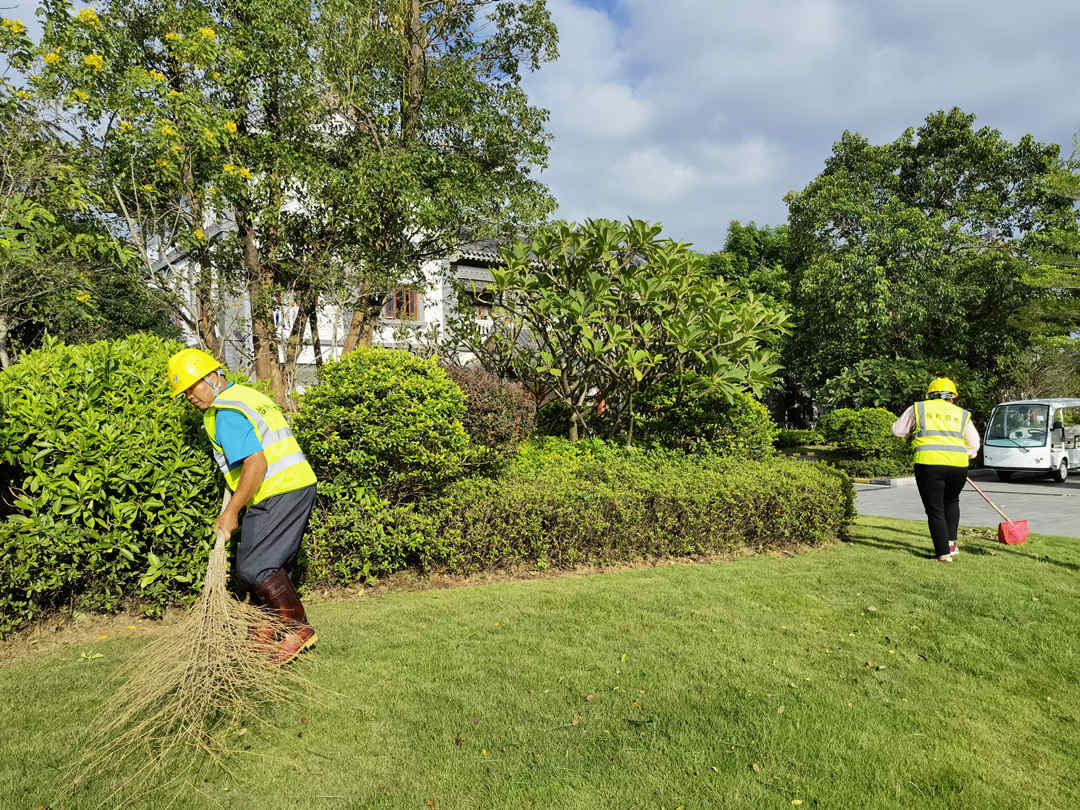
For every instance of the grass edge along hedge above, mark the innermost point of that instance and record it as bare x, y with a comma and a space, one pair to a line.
556, 508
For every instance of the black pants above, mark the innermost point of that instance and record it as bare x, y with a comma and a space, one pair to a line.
939, 487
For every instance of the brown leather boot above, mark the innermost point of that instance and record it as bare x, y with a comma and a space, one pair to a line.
279, 596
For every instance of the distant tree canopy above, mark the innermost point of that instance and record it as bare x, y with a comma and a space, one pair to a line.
923, 248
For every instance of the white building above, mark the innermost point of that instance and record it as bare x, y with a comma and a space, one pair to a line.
411, 317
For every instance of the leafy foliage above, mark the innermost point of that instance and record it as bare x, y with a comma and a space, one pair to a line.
895, 383
564, 504
298, 149
919, 248
679, 412
788, 438
602, 311
113, 488
61, 271
386, 420
498, 415
864, 443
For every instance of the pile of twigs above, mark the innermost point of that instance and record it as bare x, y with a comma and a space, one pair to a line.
188, 694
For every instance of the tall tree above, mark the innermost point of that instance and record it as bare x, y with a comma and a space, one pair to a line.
438, 138
918, 248
366, 133
606, 310
61, 269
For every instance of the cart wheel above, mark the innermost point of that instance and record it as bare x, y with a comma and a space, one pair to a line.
1003, 475
1062, 471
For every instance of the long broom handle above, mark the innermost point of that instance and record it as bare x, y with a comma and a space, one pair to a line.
976, 487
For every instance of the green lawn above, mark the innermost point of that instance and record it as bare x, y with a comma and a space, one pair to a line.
862, 675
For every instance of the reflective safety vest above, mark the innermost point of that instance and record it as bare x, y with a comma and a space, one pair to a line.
286, 467
939, 433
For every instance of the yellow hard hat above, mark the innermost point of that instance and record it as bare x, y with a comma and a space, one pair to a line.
942, 385
187, 367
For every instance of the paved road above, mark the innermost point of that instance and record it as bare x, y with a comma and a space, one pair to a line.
1048, 508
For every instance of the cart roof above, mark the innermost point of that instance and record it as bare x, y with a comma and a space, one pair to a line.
1057, 402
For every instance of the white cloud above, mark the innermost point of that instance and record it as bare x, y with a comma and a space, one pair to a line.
697, 112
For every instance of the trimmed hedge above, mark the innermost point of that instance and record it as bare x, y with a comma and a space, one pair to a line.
864, 443
113, 487
383, 419
561, 505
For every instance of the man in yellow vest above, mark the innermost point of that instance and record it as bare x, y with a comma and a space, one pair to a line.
269, 475
943, 439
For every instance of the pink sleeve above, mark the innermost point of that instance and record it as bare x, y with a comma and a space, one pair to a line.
905, 424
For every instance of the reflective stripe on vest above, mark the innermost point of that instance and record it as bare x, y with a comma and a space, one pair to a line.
286, 467
939, 433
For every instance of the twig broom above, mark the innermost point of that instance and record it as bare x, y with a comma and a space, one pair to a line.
187, 693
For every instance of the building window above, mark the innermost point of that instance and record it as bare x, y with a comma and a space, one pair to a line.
402, 305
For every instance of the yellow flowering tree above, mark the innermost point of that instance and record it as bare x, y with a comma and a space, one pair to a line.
340, 141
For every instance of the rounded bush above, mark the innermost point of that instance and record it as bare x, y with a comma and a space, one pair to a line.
831, 425
383, 419
683, 416
866, 434
112, 487
498, 415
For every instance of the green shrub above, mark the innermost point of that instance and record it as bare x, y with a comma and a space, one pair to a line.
679, 413
359, 537
831, 425
383, 419
788, 438
561, 504
498, 415
112, 485
866, 434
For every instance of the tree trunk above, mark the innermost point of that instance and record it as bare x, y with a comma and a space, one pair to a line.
260, 288
295, 342
5, 360
205, 311
414, 61
360, 332
316, 344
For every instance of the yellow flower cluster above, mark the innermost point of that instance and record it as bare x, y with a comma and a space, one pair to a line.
21, 94
167, 129
124, 126
199, 233
175, 92
230, 127
95, 61
51, 58
207, 33
239, 171
176, 149
157, 76
87, 16
147, 187
173, 36
81, 96
215, 75
14, 26
162, 164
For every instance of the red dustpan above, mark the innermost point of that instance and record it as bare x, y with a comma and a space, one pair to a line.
1013, 532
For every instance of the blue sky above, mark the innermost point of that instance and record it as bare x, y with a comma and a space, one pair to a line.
697, 112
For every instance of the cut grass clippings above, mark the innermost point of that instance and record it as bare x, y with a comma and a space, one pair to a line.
858, 675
